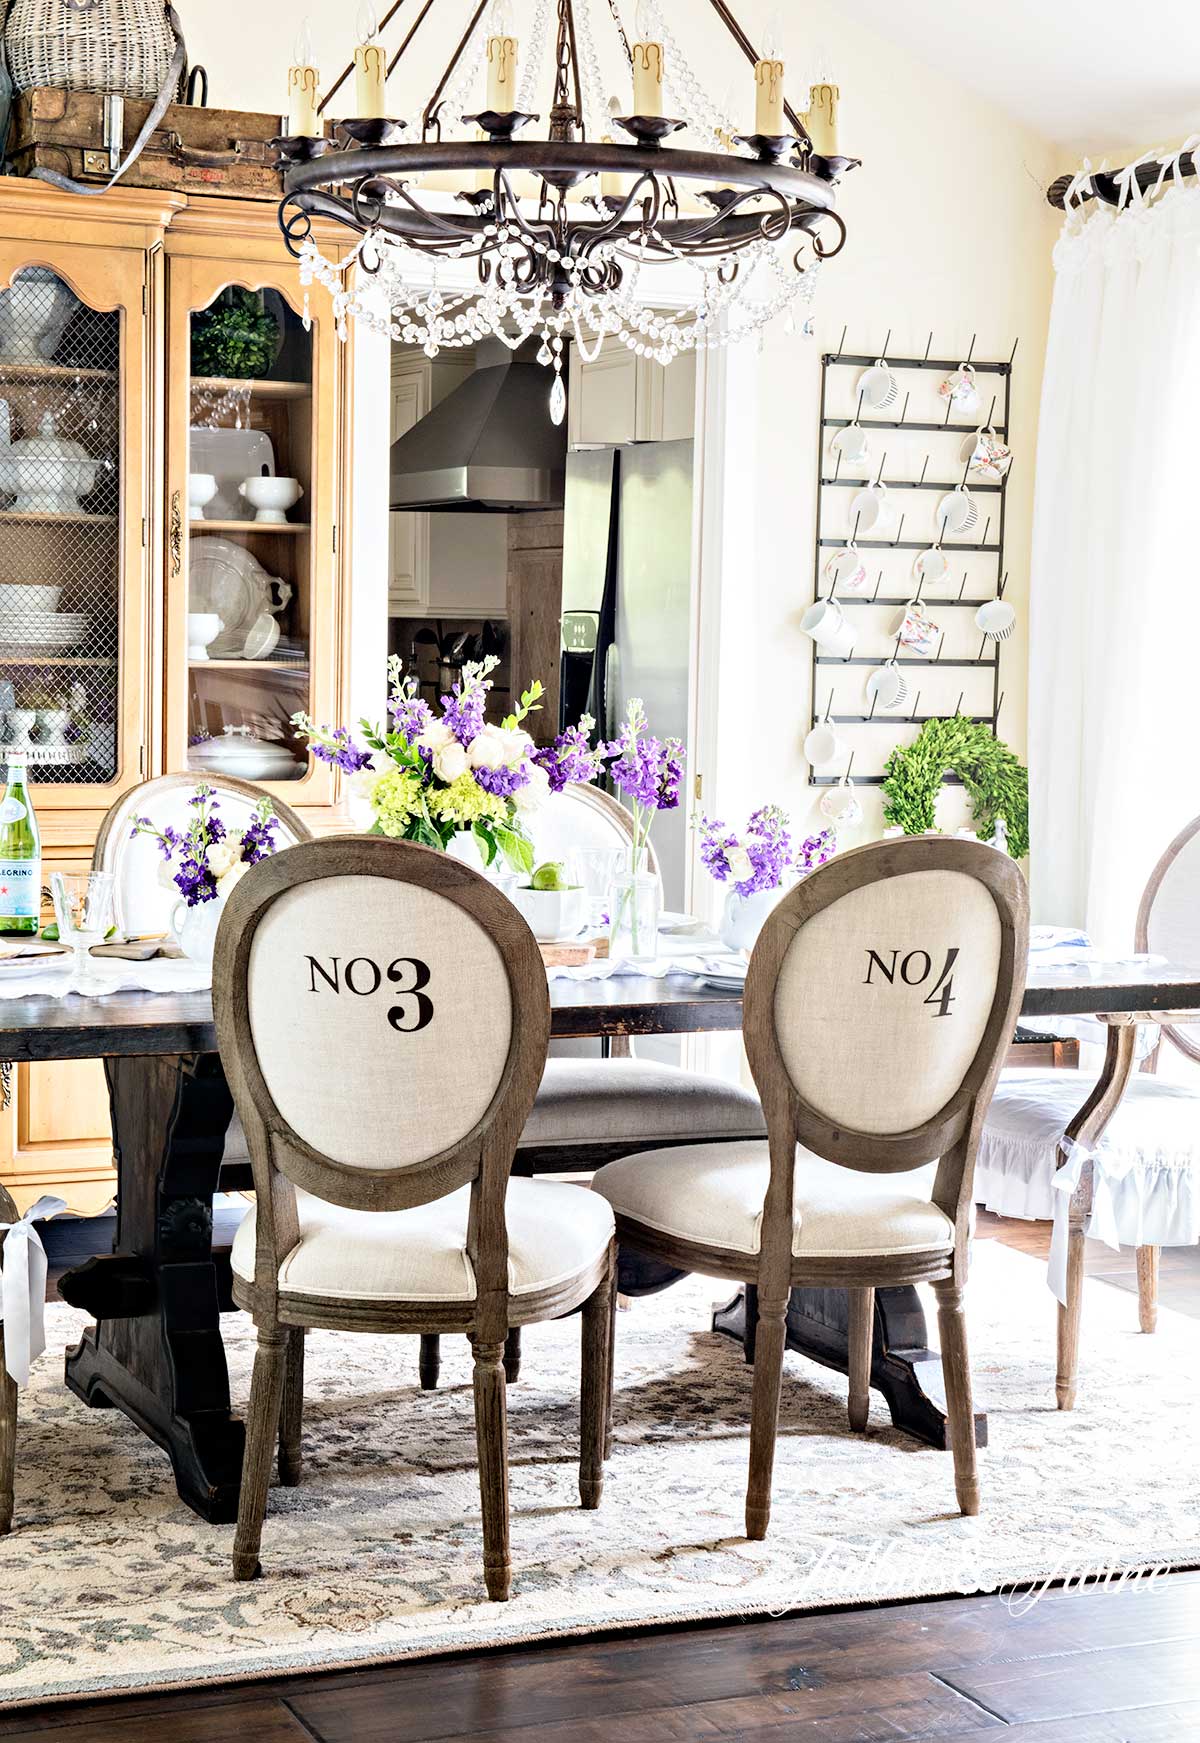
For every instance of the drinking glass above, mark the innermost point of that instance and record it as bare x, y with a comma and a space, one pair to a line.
596, 869
83, 907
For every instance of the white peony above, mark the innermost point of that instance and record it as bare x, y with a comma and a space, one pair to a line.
228, 880
533, 796
517, 746
487, 750
741, 866
220, 856
450, 761
436, 736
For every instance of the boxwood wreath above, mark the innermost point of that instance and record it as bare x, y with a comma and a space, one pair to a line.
997, 782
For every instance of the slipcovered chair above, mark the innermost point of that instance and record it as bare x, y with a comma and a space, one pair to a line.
1117, 1158
590, 1110
383, 1199
879, 1004
146, 899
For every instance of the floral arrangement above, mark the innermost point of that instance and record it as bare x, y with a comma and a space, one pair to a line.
440, 775
211, 858
761, 857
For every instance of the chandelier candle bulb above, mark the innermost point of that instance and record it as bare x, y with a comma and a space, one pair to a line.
304, 82
647, 65
501, 60
370, 66
769, 117
822, 119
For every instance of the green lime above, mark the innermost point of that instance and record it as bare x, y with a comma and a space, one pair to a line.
551, 876
50, 933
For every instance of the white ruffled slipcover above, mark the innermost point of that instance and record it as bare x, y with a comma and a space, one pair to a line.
1145, 1166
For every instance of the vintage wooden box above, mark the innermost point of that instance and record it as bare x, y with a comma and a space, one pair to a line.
84, 135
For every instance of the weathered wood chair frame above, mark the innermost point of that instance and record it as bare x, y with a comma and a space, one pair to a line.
282, 1160
951, 1136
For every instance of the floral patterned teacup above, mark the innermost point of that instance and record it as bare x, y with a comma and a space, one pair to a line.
841, 803
845, 570
986, 455
960, 389
915, 628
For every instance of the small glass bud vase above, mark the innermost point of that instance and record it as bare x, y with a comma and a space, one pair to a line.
633, 914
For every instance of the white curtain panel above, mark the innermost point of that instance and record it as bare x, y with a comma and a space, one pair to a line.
1115, 583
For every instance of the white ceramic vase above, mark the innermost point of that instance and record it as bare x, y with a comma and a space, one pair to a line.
464, 847
195, 929
743, 917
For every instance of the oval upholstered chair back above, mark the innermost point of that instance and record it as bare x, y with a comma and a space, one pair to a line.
880, 1000
1168, 921
145, 896
383, 1014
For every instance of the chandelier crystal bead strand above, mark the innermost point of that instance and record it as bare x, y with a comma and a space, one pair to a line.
470, 226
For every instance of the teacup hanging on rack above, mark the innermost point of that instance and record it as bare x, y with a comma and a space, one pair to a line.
956, 512
986, 455
997, 619
845, 571
886, 685
823, 745
878, 387
960, 389
841, 804
931, 566
852, 444
871, 510
915, 629
829, 627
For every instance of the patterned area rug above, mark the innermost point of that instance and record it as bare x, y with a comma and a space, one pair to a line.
108, 1583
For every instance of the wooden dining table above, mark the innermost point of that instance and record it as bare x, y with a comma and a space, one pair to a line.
156, 1352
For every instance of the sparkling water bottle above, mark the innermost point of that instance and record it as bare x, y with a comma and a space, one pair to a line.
20, 856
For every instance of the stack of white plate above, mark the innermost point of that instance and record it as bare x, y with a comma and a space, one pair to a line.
43, 631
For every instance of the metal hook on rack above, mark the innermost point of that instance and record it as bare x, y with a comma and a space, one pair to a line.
854, 534
1013, 352
996, 716
886, 343
904, 408
992, 410
899, 530
928, 343
882, 464
924, 469
949, 409
912, 717
874, 700
962, 483
983, 644
850, 764
1002, 586
971, 352
878, 582
966, 577
987, 527
828, 705
958, 704
841, 343
838, 466
940, 647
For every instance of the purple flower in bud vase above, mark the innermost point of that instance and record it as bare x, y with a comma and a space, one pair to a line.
571, 760
646, 769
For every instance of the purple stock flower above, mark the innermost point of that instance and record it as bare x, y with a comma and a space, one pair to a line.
647, 770
335, 746
462, 711
570, 760
410, 716
760, 860
502, 782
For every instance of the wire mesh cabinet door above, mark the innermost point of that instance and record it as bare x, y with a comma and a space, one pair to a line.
73, 519
252, 462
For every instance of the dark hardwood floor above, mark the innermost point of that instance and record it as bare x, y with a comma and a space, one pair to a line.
1096, 1665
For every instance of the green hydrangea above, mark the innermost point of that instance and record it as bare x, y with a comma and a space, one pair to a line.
395, 796
464, 801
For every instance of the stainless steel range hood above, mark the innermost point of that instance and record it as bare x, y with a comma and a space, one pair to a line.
488, 448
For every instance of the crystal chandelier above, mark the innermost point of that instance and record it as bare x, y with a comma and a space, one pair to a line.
562, 238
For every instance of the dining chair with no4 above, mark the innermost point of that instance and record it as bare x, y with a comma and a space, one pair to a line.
880, 1000
383, 1016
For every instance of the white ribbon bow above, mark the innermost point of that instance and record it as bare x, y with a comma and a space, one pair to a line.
23, 1288
1107, 1169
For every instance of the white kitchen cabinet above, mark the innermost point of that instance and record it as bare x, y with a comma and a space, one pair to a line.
620, 397
408, 536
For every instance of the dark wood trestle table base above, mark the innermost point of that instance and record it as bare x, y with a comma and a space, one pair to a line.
156, 1352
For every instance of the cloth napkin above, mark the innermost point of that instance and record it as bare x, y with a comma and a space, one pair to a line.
23, 1270
57, 978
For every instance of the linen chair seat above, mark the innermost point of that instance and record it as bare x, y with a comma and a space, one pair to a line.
556, 1232
1147, 1166
637, 1101
712, 1195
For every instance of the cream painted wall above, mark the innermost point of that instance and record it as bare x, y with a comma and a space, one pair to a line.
949, 230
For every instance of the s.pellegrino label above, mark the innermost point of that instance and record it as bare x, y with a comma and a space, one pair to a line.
20, 857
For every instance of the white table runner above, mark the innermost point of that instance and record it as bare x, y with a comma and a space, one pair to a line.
57, 977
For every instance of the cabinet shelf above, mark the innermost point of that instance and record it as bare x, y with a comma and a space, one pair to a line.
66, 373
294, 669
257, 389
11, 516
54, 660
248, 526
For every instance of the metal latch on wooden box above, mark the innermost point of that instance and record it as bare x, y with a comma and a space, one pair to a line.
108, 161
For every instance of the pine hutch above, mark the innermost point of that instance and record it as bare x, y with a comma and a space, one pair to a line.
98, 676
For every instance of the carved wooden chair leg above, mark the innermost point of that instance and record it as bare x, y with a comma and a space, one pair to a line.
960, 1411
861, 1336
764, 1419
291, 1415
751, 1331
491, 1432
429, 1364
1066, 1378
266, 1396
8, 1440
512, 1355
1147, 1276
612, 1356
593, 1386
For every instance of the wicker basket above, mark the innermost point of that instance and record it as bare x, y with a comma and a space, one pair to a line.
118, 46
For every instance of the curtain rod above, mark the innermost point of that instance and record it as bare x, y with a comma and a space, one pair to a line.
1103, 185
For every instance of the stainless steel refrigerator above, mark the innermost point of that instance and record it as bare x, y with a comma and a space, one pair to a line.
627, 616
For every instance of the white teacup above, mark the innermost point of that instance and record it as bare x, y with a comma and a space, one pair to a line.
878, 387
871, 510
931, 566
956, 512
841, 803
852, 444
960, 389
203, 627
997, 619
829, 627
887, 686
823, 745
202, 487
